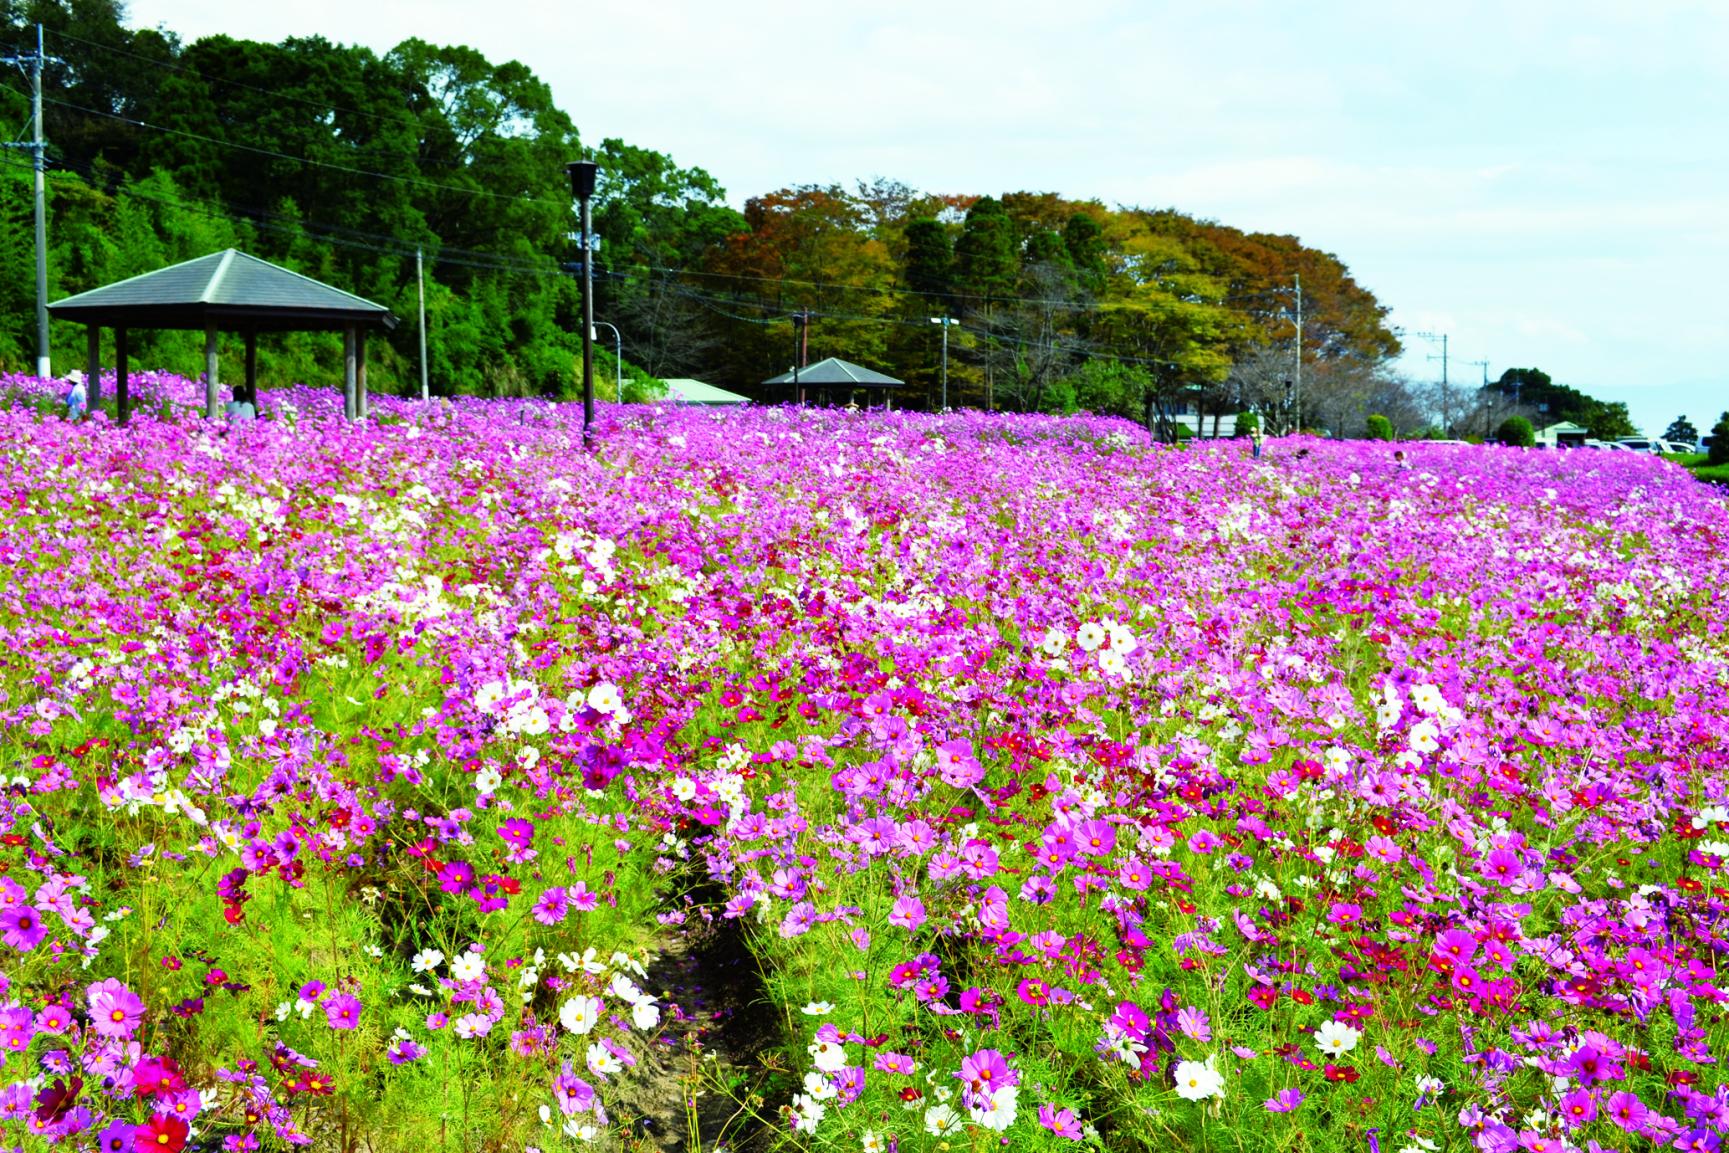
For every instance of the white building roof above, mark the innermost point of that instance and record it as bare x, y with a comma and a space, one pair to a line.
683, 390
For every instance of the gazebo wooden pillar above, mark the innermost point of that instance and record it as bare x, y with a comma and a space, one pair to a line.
122, 391
93, 365
350, 375
212, 403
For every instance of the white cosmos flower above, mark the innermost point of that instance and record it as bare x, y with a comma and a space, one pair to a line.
624, 988
1196, 1081
1090, 636
605, 698
645, 1014
1336, 1037
427, 960
818, 1009
468, 967
827, 1056
487, 780
601, 1062
807, 1113
580, 1013
999, 1114
941, 1120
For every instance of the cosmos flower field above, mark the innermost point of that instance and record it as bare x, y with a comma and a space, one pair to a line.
1061, 789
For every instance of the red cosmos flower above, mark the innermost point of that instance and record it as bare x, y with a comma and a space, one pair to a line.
1344, 1073
161, 1134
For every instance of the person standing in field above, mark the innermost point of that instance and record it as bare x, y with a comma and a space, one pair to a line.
1255, 437
76, 398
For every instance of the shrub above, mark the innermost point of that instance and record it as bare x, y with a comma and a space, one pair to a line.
1246, 424
1380, 428
1515, 431
1718, 453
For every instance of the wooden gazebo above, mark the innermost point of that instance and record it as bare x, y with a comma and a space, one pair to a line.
833, 376
226, 291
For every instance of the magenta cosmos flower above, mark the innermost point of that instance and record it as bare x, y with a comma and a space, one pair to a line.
342, 1011
115, 1010
1062, 1122
21, 927
986, 1071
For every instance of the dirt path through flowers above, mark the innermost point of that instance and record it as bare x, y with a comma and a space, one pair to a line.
701, 1087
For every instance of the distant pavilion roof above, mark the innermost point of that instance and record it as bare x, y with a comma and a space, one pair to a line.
835, 371
683, 390
229, 289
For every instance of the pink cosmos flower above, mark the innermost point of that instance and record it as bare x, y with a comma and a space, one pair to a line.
342, 1011
1284, 1101
1062, 1122
986, 1071
21, 927
908, 913
1627, 1111
552, 906
115, 1010
1194, 1023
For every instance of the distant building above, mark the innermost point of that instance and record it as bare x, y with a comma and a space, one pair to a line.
683, 390
1566, 434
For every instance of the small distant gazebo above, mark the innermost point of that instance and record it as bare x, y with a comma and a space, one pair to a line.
226, 291
835, 375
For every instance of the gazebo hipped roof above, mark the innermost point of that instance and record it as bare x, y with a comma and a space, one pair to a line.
228, 289
835, 371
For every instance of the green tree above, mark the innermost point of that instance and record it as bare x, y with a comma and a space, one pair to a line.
1516, 432
1718, 453
1379, 427
1681, 431
928, 266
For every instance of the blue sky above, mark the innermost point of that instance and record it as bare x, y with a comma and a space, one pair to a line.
1546, 182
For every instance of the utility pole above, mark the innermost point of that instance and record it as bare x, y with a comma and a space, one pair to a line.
582, 179
1446, 388
801, 350
947, 322
420, 277
1483, 396
38, 147
1299, 377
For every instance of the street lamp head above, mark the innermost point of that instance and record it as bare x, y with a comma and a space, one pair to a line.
582, 174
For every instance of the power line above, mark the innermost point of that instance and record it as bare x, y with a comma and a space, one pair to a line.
409, 180
276, 94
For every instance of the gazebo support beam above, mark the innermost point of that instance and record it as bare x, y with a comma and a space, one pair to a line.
122, 390
252, 369
212, 404
364, 407
93, 365
350, 374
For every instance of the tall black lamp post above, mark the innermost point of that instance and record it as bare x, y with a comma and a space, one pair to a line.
582, 174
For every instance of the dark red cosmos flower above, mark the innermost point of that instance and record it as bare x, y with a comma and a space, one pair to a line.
1344, 1073
57, 1100
161, 1134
